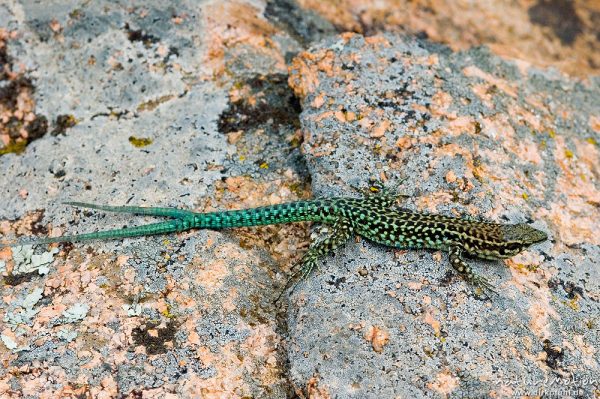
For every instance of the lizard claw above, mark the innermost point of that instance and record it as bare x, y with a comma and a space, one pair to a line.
296, 278
485, 286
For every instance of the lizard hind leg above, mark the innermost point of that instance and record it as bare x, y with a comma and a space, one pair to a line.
136, 210
342, 231
465, 271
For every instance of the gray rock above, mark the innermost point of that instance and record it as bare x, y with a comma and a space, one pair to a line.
163, 314
193, 314
374, 322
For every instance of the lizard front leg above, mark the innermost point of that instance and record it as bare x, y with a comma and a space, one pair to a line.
465, 271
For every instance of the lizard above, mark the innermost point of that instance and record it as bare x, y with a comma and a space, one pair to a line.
373, 217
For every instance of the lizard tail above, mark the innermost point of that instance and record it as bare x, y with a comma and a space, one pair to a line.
171, 226
136, 210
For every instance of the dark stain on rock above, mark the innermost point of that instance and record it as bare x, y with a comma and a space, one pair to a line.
36, 226
571, 290
37, 128
139, 35
32, 222
595, 19
270, 101
62, 123
9, 93
135, 394
10, 90
303, 25
560, 16
554, 354
16, 279
155, 343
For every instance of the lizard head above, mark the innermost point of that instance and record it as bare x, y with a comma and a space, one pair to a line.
518, 237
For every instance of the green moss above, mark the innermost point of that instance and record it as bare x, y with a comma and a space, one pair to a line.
572, 304
167, 313
377, 149
14, 147
76, 14
590, 324
296, 189
140, 141
295, 142
152, 104
569, 154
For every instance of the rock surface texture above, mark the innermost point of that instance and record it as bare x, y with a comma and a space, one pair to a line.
470, 135
217, 105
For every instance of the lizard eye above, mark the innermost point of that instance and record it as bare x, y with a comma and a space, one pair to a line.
513, 246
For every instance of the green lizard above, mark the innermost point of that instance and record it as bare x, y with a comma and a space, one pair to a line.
373, 217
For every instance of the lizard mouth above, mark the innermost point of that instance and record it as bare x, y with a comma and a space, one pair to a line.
536, 236
542, 236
